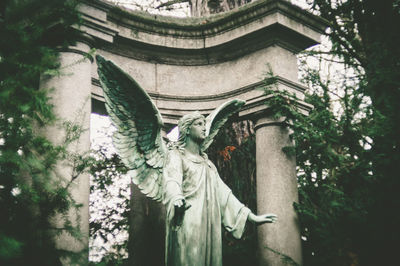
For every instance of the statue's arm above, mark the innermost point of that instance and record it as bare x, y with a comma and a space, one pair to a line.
235, 214
173, 178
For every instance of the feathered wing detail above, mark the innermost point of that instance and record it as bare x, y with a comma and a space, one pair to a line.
138, 137
218, 118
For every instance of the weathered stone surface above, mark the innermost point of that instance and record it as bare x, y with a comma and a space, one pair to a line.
71, 100
178, 89
198, 63
236, 32
276, 191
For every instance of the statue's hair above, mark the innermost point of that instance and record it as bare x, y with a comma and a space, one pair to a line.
184, 124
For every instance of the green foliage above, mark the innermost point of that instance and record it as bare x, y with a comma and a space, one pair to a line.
109, 207
361, 154
9, 247
109, 204
347, 148
326, 157
30, 30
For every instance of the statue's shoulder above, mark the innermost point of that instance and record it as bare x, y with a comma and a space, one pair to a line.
208, 161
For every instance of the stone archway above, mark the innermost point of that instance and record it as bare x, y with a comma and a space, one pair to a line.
198, 63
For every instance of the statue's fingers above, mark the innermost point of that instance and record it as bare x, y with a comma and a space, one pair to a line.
267, 216
178, 203
271, 219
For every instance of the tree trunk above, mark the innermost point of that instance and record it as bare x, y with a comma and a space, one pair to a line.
202, 8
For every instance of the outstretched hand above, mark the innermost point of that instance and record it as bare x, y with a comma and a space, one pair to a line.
262, 219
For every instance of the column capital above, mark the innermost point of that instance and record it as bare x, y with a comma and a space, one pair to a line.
83, 43
258, 110
268, 120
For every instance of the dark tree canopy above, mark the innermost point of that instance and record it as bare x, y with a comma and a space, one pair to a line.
348, 160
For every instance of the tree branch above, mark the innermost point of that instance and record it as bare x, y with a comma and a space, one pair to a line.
170, 3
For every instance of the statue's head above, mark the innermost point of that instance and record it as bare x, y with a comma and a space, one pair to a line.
185, 124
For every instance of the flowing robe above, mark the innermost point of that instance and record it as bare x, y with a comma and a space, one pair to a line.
197, 240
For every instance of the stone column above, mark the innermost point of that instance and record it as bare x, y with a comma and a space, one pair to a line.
146, 244
70, 96
276, 192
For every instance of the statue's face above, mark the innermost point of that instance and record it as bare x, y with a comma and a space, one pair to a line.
197, 130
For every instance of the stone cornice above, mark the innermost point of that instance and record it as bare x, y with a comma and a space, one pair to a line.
210, 98
172, 107
199, 41
214, 24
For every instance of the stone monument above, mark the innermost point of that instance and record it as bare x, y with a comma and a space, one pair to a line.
223, 56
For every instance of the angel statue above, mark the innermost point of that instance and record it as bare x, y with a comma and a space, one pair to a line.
178, 174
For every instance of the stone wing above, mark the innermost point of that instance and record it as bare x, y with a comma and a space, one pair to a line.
138, 137
218, 118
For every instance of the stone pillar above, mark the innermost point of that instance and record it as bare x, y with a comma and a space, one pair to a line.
146, 231
70, 96
276, 192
